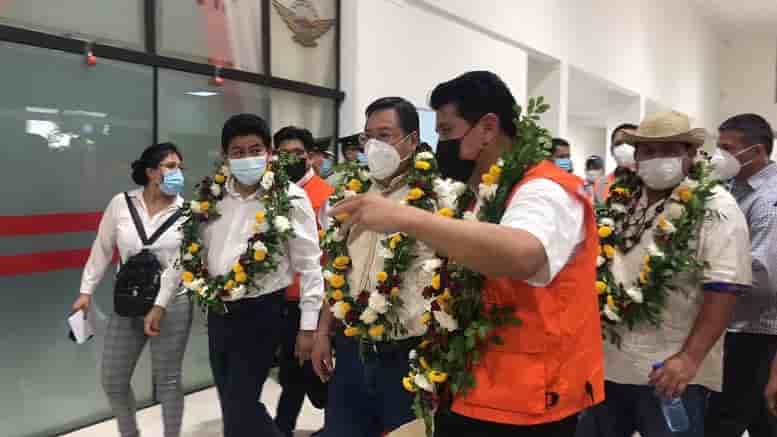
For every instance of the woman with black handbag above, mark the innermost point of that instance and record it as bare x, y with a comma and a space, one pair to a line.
148, 302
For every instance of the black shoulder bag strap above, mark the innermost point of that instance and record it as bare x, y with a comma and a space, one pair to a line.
139, 225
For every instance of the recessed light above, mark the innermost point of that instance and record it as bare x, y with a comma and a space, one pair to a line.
202, 93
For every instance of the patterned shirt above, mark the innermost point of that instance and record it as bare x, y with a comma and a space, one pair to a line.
756, 311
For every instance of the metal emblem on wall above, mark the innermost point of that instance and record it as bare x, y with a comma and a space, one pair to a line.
303, 20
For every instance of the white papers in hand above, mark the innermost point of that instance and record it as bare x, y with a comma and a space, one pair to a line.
80, 326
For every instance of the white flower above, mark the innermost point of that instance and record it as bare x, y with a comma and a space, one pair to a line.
203, 291
188, 257
666, 227
403, 202
260, 246
446, 321
385, 252
328, 275
348, 194
635, 294
448, 192
607, 222
281, 223
338, 236
364, 175
338, 310
487, 191
675, 211
225, 170
215, 189
268, 179
369, 316
431, 265
424, 156
195, 207
238, 292
260, 227
500, 162
421, 381
378, 303
413, 355
690, 184
194, 285
610, 314
469, 215
600, 261
654, 251
619, 208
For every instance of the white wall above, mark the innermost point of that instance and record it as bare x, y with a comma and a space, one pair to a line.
585, 141
748, 76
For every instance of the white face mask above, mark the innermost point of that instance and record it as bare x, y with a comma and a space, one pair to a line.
661, 173
383, 159
248, 171
726, 165
592, 175
624, 155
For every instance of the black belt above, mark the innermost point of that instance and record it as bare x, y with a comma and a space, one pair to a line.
245, 304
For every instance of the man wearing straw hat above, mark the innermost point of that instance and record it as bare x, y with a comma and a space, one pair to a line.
675, 254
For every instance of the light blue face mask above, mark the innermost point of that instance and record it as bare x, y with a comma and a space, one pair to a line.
362, 158
326, 168
564, 164
172, 183
248, 171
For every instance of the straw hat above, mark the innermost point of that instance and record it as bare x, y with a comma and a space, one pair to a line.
666, 127
415, 428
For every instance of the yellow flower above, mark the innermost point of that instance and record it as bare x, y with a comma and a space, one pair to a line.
229, 285
337, 281
426, 318
219, 179
436, 376
394, 241
204, 206
415, 194
609, 251
260, 255
260, 217
352, 331
341, 262
446, 212
495, 171
337, 295
424, 344
622, 191
436, 282
187, 276
643, 277
395, 292
342, 217
423, 363
194, 248
376, 331
646, 260
238, 268
685, 194
346, 308
423, 165
355, 185
601, 287
488, 179
605, 231
241, 277
382, 276
445, 296
407, 382
611, 302
321, 234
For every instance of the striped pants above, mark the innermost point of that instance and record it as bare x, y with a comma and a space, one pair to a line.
124, 341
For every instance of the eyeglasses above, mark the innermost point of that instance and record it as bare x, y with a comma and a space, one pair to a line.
385, 136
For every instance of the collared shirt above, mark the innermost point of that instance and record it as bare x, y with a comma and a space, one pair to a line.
226, 239
367, 258
723, 245
117, 230
756, 311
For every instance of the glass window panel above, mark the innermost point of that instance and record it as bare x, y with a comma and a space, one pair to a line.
113, 22
313, 113
67, 145
218, 32
303, 41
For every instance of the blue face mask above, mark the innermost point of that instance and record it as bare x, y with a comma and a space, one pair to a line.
362, 158
248, 171
326, 168
564, 164
172, 183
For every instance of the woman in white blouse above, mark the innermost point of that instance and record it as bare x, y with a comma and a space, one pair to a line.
167, 324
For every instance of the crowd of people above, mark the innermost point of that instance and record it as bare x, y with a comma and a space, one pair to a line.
480, 289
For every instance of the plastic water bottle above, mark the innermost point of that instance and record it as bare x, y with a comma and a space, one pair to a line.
675, 415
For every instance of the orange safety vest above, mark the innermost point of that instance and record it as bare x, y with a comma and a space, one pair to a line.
318, 191
552, 365
610, 181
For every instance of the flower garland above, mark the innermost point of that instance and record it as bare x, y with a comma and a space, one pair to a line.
263, 248
460, 323
673, 251
371, 314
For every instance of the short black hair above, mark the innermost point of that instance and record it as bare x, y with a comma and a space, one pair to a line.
594, 161
476, 94
406, 112
754, 129
630, 126
295, 133
151, 158
558, 142
245, 124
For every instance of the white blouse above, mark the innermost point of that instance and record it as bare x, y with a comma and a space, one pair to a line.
118, 230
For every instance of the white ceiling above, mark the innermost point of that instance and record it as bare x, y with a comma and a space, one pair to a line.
736, 17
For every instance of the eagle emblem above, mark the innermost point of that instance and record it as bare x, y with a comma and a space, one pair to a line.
303, 21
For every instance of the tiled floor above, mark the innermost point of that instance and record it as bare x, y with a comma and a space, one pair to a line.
202, 417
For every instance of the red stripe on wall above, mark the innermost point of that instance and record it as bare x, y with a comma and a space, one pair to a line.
42, 262
15, 225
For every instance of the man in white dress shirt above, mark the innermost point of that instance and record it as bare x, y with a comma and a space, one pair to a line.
243, 341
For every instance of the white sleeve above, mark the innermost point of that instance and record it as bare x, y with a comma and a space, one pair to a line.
545, 210
102, 250
305, 257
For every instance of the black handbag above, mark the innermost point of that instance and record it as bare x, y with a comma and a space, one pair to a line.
138, 280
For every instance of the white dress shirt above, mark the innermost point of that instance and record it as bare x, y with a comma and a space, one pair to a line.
117, 230
226, 239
